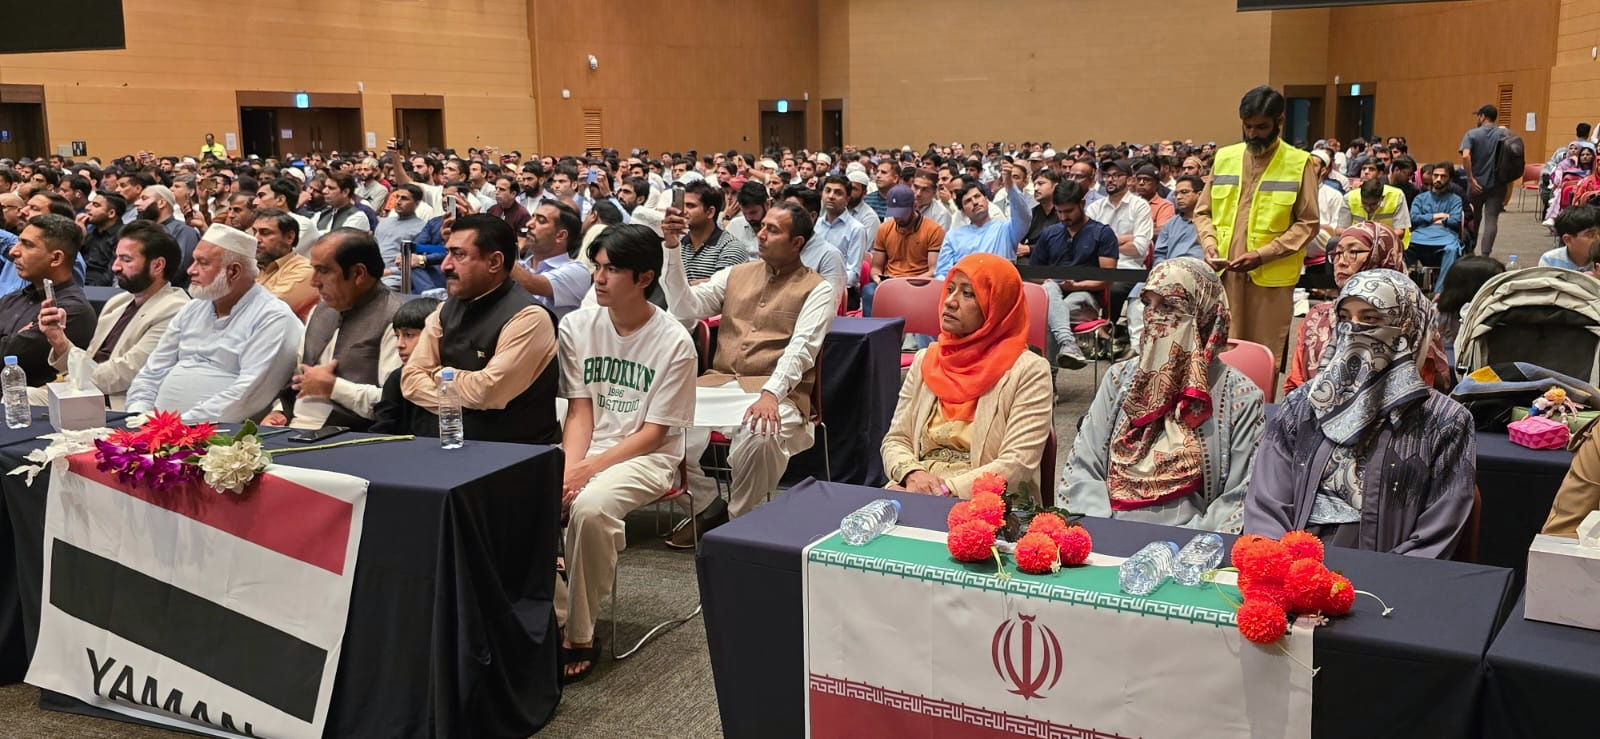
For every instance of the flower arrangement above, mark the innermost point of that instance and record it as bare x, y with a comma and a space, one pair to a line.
1284, 576
166, 453
1052, 537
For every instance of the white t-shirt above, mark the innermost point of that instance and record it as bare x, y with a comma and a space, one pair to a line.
648, 377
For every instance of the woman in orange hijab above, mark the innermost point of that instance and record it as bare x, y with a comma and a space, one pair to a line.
977, 400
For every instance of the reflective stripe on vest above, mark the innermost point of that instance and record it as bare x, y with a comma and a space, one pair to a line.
1271, 209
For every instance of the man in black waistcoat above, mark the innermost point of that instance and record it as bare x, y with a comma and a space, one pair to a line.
348, 350
500, 342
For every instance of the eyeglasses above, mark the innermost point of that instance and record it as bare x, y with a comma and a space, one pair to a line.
1350, 254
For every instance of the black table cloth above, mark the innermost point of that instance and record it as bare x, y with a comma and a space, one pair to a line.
860, 383
1414, 673
451, 629
1541, 679
1518, 485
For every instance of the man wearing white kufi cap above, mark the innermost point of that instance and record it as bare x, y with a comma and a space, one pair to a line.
229, 351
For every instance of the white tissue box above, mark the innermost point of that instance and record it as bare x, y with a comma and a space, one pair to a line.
1563, 582
72, 409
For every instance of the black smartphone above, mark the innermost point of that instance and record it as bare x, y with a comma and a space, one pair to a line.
306, 437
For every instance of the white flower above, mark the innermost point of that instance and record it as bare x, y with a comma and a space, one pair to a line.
62, 445
229, 468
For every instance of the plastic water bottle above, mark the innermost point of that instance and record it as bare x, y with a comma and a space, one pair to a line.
1142, 573
869, 521
1511, 262
451, 435
14, 382
1201, 555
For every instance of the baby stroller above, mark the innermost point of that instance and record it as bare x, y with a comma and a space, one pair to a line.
1540, 315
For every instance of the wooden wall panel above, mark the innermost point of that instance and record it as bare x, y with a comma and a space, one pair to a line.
1575, 79
186, 58
678, 75
1059, 71
1434, 63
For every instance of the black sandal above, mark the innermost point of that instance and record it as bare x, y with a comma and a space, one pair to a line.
569, 655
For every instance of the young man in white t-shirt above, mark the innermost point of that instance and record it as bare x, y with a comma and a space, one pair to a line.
628, 373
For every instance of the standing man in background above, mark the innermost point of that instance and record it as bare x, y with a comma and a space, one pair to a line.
1258, 214
1484, 185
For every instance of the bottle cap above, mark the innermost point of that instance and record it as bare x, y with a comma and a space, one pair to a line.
448, 374
11, 359
896, 505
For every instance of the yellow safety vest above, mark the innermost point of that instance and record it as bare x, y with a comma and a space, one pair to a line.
1271, 210
1392, 198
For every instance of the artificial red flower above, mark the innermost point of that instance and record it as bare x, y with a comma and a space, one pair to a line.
960, 513
1270, 592
1302, 545
1262, 621
162, 428
1341, 595
972, 541
1075, 544
1037, 554
1260, 558
989, 508
989, 482
1047, 523
1307, 585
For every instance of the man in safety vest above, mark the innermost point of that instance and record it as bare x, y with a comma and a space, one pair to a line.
1257, 216
1381, 203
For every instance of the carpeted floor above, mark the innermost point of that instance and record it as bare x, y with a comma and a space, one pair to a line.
666, 689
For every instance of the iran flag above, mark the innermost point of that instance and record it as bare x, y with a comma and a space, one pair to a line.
208, 612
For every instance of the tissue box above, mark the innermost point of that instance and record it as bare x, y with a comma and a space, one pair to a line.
72, 409
1563, 582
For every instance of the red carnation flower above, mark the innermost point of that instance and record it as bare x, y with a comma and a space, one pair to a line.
972, 541
1262, 621
1261, 558
1037, 554
1269, 592
1340, 596
989, 482
1075, 544
1047, 523
1307, 585
989, 508
960, 513
1302, 545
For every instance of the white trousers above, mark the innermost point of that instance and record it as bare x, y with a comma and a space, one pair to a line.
758, 460
596, 535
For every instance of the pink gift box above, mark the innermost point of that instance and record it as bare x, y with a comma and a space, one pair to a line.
1538, 432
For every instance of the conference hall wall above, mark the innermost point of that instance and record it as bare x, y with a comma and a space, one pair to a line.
189, 64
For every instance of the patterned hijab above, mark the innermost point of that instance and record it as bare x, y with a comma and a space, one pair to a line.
1371, 371
1156, 452
961, 369
1387, 253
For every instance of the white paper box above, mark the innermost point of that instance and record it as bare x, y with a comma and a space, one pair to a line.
1563, 582
72, 409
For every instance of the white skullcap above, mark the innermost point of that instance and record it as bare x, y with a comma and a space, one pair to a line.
824, 158
647, 217
855, 166
1323, 155
769, 164
162, 192
859, 177
230, 239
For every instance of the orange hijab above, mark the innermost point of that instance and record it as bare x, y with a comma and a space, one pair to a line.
960, 369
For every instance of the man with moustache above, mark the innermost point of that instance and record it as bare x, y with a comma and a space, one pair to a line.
157, 203
1258, 214
101, 220
282, 271
45, 250
132, 322
229, 351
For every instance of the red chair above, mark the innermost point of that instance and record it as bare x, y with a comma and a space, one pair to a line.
915, 299
1530, 181
1038, 315
1255, 361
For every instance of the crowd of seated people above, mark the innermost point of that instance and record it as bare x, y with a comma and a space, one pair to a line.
271, 289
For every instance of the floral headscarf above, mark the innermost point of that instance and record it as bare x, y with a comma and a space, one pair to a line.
1387, 253
1371, 371
1156, 451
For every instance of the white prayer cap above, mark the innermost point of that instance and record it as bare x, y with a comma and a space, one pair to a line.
824, 158
859, 177
162, 192
855, 165
230, 239
769, 164
648, 217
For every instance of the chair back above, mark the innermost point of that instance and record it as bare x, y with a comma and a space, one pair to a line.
1531, 174
1038, 315
1255, 361
701, 334
915, 299
1047, 469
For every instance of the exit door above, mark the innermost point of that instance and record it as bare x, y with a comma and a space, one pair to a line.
22, 130
419, 129
783, 129
1354, 117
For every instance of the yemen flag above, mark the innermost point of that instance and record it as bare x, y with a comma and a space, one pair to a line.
204, 611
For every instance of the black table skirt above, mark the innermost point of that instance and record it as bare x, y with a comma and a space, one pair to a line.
1518, 485
1415, 673
451, 629
860, 384
1541, 679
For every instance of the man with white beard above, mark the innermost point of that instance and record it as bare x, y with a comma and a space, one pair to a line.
229, 351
